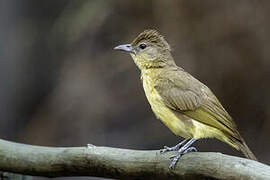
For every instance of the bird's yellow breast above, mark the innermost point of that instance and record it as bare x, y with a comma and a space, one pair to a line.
162, 112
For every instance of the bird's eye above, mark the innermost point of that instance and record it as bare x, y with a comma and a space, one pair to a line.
142, 46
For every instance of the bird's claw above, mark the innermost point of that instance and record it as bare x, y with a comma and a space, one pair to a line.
191, 149
174, 148
181, 152
182, 148
167, 149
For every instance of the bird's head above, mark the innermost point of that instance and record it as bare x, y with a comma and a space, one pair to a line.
149, 50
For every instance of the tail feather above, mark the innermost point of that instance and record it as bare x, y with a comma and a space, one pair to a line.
239, 143
246, 151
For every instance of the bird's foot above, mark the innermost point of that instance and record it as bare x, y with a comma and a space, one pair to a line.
181, 152
181, 148
174, 148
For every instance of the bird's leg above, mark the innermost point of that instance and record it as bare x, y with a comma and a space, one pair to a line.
174, 148
183, 150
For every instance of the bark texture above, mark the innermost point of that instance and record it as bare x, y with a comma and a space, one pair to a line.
124, 163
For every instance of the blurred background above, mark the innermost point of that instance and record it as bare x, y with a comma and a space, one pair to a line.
61, 83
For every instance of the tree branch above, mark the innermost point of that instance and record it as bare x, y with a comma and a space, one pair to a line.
124, 163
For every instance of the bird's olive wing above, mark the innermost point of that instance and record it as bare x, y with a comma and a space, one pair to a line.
178, 91
183, 93
183, 100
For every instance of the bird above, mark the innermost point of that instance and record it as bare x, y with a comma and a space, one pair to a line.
183, 103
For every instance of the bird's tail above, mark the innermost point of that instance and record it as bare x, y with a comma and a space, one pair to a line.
241, 145
246, 151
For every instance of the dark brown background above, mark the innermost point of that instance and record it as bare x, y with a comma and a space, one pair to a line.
61, 84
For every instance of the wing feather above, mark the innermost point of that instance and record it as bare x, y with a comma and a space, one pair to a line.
183, 93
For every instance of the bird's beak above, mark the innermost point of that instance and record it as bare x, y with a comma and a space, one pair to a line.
125, 47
